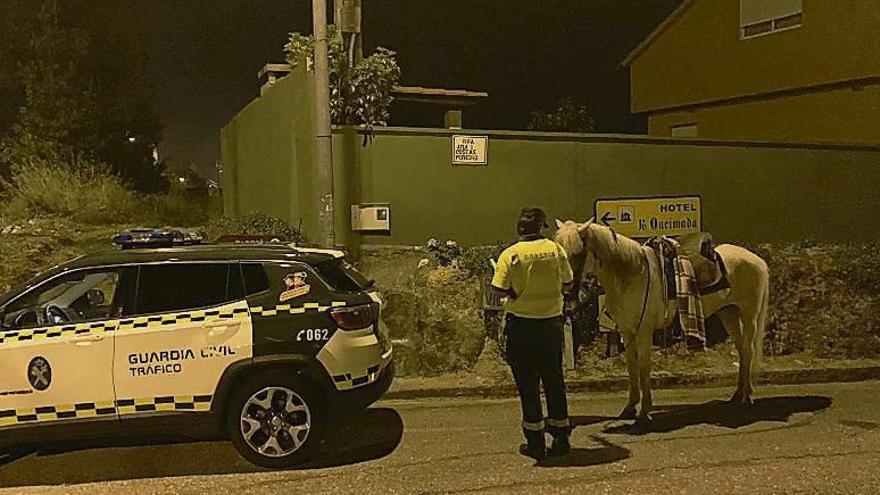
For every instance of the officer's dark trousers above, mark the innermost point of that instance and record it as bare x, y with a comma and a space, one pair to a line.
534, 351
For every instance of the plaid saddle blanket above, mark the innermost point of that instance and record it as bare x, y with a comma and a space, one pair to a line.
680, 282
690, 307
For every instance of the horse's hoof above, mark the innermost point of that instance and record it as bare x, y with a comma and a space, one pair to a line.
628, 413
643, 418
736, 399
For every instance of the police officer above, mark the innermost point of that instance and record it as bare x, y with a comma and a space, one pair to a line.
532, 274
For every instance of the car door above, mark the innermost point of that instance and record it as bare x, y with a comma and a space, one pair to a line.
56, 348
190, 323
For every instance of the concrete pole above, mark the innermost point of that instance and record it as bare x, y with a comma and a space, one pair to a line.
337, 17
323, 151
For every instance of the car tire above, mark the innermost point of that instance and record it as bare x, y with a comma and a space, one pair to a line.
252, 427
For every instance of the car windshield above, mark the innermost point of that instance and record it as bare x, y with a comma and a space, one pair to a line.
5, 297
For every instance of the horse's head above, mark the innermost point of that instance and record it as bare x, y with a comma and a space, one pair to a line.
572, 237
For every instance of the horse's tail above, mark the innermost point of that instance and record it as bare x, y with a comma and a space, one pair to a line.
758, 341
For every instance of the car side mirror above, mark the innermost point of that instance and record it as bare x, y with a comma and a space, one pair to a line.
96, 297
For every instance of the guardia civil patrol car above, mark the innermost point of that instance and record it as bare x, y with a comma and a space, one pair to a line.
260, 344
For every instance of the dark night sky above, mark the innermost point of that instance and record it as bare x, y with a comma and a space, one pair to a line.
205, 54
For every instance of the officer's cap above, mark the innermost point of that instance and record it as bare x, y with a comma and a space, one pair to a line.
531, 221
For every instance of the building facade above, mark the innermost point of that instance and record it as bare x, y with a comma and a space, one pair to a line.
762, 70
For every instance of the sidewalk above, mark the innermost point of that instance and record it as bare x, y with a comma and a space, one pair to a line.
500, 386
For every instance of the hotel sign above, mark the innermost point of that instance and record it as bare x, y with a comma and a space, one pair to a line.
650, 217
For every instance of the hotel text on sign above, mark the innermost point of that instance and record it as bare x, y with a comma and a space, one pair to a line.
650, 217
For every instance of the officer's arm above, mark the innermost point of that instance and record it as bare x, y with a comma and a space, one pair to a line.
501, 280
509, 293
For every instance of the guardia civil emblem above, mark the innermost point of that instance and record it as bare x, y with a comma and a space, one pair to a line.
39, 373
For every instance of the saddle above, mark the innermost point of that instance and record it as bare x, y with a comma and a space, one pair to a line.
698, 248
708, 266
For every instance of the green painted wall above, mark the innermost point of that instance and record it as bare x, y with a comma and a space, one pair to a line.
751, 191
267, 154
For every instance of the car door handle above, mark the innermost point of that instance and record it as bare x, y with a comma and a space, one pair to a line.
87, 339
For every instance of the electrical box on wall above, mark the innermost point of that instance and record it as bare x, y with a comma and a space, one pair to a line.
371, 217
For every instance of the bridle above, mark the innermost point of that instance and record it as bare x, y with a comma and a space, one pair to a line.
578, 274
571, 294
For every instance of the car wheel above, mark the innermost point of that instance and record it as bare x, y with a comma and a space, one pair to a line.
275, 420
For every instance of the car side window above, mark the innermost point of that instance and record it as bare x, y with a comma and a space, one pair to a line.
172, 287
255, 278
79, 296
294, 284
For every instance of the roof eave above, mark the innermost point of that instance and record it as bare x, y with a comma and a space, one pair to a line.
657, 32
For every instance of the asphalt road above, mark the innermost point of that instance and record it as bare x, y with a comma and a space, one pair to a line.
806, 439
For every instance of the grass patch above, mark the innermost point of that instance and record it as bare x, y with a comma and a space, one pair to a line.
93, 196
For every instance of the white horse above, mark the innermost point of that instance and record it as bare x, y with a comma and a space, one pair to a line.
634, 296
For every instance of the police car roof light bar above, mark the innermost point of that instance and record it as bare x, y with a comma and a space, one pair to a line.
155, 238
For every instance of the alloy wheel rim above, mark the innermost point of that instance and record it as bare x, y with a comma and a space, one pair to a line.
275, 422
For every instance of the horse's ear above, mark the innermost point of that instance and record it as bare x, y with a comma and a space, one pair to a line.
559, 223
586, 225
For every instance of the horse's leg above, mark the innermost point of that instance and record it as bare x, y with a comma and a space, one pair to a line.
747, 359
644, 343
632, 368
730, 318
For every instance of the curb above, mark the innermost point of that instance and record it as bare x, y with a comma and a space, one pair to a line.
616, 384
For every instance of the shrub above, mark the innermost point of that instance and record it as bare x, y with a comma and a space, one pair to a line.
88, 194
473, 260
446, 330
27, 248
179, 209
360, 92
255, 223
91, 194
824, 300
859, 265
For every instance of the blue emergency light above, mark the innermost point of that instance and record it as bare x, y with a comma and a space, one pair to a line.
155, 238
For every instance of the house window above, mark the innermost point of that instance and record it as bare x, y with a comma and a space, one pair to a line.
684, 131
762, 17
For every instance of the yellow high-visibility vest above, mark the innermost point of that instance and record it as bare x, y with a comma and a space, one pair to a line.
535, 270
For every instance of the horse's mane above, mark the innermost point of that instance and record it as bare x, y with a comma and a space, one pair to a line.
569, 238
614, 248
610, 248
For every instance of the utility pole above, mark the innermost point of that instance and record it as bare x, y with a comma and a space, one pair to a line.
323, 150
347, 18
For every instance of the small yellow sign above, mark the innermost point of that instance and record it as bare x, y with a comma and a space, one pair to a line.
649, 217
470, 150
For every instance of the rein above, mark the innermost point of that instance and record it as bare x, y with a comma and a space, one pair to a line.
579, 275
647, 293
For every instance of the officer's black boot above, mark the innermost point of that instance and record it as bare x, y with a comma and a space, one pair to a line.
536, 445
560, 447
